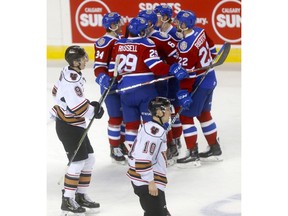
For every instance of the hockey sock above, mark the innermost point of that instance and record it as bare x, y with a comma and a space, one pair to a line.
131, 132
169, 138
86, 172
72, 178
208, 127
114, 131
189, 131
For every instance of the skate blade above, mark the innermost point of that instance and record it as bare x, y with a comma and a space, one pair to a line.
68, 213
92, 211
118, 162
194, 164
212, 159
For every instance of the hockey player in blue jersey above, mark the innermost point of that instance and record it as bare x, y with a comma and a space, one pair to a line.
196, 50
113, 23
166, 48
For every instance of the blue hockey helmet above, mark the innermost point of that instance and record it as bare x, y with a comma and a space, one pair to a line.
109, 18
149, 15
187, 17
137, 25
164, 10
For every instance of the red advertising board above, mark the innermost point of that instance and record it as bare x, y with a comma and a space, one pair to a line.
221, 19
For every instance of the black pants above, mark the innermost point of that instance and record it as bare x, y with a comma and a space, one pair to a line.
70, 136
152, 205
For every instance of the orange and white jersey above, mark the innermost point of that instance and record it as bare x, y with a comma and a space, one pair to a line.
147, 157
71, 106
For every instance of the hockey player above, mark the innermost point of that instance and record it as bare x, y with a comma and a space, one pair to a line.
165, 13
147, 160
194, 52
166, 48
70, 110
113, 23
139, 62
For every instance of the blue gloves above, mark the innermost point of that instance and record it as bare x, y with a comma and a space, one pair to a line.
103, 80
178, 71
184, 98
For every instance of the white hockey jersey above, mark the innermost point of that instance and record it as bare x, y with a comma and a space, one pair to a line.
147, 157
71, 106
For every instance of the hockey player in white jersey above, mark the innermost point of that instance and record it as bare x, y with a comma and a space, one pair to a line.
70, 110
148, 161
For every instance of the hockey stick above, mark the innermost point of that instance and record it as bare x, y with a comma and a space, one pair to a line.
225, 49
101, 100
221, 57
126, 31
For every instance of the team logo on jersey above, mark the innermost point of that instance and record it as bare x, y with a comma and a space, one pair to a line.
183, 45
78, 91
154, 130
101, 41
73, 76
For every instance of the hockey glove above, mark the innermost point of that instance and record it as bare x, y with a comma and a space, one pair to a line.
98, 111
103, 80
184, 98
178, 71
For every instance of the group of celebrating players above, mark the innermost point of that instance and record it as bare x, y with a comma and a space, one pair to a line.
157, 46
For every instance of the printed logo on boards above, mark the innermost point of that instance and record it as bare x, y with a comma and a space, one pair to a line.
226, 20
88, 18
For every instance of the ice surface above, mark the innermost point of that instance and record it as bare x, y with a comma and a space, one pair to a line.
211, 190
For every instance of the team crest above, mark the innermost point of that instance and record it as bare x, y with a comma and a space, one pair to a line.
154, 130
183, 45
73, 76
101, 41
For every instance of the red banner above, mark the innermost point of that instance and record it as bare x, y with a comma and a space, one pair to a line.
221, 19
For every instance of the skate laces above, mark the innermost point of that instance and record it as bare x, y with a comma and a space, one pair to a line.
117, 152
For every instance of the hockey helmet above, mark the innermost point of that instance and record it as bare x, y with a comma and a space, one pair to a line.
164, 10
137, 25
158, 103
149, 15
109, 18
187, 17
74, 53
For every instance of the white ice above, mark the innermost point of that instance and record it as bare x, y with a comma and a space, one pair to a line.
211, 190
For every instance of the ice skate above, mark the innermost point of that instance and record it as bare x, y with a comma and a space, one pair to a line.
190, 161
117, 156
172, 154
70, 207
84, 201
212, 154
123, 149
177, 141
